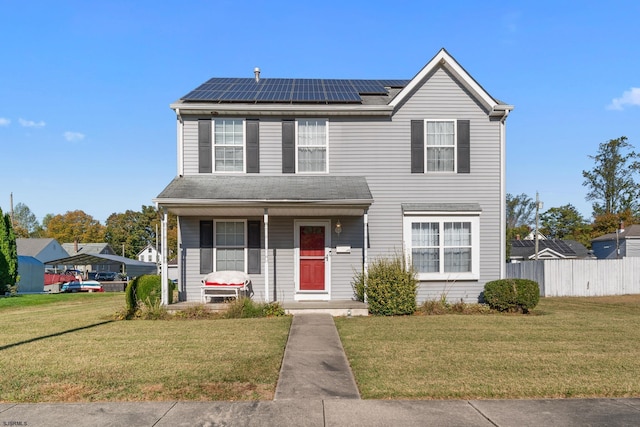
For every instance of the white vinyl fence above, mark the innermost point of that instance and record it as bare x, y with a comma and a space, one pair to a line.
581, 277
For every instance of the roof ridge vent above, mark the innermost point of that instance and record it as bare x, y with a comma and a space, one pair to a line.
256, 71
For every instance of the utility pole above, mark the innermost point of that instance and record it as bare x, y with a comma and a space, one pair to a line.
538, 207
13, 224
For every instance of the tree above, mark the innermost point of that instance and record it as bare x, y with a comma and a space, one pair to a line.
565, 222
8, 254
611, 181
520, 210
25, 223
137, 229
608, 222
74, 225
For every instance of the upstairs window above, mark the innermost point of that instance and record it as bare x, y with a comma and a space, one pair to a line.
312, 143
441, 146
228, 143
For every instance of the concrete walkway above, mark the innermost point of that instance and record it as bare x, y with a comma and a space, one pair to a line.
316, 388
314, 364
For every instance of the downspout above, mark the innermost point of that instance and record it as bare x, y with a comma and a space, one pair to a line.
180, 139
503, 189
266, 255
164, 276
365, 251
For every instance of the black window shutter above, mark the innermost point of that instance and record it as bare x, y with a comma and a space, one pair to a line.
206, 247
288, 146
253, 146
253, 243
204, 146
464, 147
417, 146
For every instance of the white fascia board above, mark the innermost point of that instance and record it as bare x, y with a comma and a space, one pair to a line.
443, 59
265, 202
283, 109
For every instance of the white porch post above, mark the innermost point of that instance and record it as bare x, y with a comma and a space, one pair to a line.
266, 255
365, 251
164, 276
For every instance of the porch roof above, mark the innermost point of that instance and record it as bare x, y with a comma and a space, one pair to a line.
282, 195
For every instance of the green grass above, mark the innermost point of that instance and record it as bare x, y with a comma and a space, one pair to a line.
70, 349
569, 347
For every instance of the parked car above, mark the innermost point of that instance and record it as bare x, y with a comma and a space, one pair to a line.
86, 286
106, 276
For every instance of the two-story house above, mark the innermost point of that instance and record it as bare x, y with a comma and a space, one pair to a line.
302, 182
148, 254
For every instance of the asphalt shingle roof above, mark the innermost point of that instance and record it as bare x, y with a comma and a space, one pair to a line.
268, 188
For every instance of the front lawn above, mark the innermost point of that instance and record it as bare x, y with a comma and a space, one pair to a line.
69, 349
569, 347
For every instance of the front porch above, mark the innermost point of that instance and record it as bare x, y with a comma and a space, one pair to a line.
335, 308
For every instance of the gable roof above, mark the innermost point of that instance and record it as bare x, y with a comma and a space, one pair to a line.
88, 248
525, 249
32, 247
300, 97
445, 60
629, 232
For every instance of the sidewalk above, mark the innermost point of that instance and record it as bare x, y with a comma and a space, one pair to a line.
316, 388
329, 412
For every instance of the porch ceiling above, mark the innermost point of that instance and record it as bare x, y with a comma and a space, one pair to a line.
246, 195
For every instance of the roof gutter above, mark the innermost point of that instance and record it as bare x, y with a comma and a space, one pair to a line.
282, 109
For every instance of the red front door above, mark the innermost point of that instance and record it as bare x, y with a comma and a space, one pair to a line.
312, 258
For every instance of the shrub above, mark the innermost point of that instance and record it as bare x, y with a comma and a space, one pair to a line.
245, 307
145, 289
512, 295
391, 287
441, 306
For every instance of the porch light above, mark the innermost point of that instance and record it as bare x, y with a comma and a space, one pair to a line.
338, 228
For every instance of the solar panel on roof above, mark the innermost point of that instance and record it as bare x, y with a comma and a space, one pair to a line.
340, 90
230, 89
394, 83
372, 87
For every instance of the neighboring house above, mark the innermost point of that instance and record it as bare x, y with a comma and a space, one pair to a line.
148, 254
301, 183
91, 249
623, 243
524, 250
41, 249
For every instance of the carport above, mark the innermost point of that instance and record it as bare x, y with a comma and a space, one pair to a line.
131, 267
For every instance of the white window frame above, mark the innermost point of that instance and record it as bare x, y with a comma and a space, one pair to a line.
325, 146
454, 146
244, 144
441, 219
216, 246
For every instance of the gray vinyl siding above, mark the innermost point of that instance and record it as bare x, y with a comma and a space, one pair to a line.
281, 258
632, 247
380, 150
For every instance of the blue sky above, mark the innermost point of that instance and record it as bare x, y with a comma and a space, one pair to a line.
85, 86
